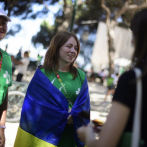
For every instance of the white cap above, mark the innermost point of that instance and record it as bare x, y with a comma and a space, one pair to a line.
4, 14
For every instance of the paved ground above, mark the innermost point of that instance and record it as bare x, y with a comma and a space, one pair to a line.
98, 110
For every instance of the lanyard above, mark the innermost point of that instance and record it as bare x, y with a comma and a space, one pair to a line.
1, 59
64, 89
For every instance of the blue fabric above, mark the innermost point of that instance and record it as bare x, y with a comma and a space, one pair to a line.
45, 110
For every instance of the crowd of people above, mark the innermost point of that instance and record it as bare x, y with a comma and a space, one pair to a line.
56, 108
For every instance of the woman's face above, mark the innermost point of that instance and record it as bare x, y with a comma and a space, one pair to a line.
68, 52
3, 27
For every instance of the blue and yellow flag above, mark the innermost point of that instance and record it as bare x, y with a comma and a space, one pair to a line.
45, 111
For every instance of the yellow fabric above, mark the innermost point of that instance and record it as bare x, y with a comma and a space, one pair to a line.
25, 139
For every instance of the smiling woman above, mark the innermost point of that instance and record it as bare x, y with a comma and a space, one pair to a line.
56, 95
3, 27
67, 54
5, 76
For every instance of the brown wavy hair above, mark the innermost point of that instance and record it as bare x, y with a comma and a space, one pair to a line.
139, 29
52, 54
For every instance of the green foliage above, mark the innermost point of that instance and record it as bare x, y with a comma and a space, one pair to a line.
45, 34
92, 10
24, 7
24, 10
88, 10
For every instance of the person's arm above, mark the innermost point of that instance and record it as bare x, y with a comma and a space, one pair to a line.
16, 62
3, 111
110, 132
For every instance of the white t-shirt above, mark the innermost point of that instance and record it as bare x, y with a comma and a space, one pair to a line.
22, 68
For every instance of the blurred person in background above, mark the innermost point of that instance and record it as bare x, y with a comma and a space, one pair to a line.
56, 95
13, 65
22, 65
91, 75
38, 60
5, 76
18, 55
102, 75
121, 115
111, 85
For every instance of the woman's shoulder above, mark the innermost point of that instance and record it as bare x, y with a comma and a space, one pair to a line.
81, 74
128, 75
42, 69
125, 89
48, 74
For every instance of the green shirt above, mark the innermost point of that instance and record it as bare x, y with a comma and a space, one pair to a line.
73, 88
5, 75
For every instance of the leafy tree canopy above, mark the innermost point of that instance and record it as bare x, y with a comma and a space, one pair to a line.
88, 15
24, 10
45, 34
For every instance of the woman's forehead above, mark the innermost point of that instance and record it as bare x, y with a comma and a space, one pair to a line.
71, 40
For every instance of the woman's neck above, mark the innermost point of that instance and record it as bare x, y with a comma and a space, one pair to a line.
63, 68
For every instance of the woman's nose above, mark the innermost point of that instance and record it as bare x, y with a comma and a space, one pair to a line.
73, 49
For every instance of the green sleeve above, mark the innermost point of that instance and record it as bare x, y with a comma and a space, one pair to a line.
82, 75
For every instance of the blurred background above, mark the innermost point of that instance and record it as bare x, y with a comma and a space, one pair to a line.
103, 28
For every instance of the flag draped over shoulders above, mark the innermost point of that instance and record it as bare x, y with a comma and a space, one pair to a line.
45, 111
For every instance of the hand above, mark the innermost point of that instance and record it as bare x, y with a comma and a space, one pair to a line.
84, 131
2, 138
97, 129
70, 119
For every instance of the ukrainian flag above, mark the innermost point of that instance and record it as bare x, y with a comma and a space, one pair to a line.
45, 111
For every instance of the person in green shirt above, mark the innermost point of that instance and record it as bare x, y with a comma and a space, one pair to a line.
5, 76
56, 95
62, 64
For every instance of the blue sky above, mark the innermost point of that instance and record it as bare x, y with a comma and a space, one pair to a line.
30, 27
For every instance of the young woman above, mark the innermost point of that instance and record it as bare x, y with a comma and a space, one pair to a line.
55, 96
5, 76
120, 118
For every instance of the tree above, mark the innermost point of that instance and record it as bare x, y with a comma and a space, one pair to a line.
88, 15
62, 22
24, 10
126, 11
44, 35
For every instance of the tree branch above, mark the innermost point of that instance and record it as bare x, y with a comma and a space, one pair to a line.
127, 7
107, 10
122, 10
132, 7
80, 2
11, 5
45, 5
